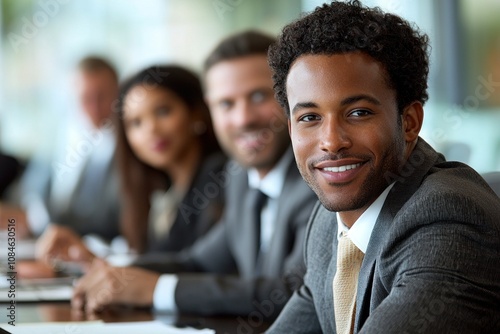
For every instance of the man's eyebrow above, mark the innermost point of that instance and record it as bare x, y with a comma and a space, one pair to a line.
344, 102
361, 97
303, 105
265, 90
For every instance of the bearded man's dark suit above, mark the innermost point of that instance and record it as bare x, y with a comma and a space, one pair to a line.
217, 274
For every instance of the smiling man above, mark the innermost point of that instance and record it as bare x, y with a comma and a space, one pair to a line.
402, 241
347, 130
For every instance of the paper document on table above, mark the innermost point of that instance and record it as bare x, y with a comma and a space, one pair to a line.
150, 327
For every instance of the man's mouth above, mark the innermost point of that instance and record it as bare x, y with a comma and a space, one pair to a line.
339, 171
343, 168
249, 140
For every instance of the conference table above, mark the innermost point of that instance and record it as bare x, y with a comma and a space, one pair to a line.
62, 312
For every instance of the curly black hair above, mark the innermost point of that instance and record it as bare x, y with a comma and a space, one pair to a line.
342, 27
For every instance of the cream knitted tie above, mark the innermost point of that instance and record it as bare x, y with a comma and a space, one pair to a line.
345, 283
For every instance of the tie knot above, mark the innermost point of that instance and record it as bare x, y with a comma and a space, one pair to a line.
258, 199
348, 254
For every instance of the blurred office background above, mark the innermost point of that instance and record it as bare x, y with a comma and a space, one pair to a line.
42, 40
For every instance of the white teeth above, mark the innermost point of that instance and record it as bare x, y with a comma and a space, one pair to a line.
249, 136
341, 168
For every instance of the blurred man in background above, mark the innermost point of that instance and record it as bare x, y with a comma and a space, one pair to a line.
74, 192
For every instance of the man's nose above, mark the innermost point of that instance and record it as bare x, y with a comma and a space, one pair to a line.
334, 136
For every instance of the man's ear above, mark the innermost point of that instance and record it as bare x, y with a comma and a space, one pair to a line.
412, 119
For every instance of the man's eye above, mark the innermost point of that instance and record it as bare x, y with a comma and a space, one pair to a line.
360, 112
308, 118
257, 97
225, 104
163, 111
133, 123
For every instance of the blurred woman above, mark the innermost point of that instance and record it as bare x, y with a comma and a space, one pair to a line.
169, 160
170, 164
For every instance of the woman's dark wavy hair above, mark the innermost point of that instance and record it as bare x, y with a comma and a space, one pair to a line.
139, 180
342, 27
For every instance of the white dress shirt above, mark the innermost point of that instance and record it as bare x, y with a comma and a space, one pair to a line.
79, 146
271, 185
362, 229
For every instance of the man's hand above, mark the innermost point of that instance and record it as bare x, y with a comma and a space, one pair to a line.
9, 212
104, 286
34, 269
61, 243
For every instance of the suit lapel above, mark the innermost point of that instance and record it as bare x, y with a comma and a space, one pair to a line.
366, 274
322, 267
332, 270
241, 233
407, 182
282, 229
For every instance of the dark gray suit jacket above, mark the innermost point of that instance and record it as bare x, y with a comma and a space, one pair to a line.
432, 264
226, 256
198, 211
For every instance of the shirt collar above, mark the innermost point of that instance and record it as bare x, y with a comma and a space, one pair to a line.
272, 183
362, 229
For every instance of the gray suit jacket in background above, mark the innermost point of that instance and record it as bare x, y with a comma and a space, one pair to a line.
219, 270
432, 264
89, 211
